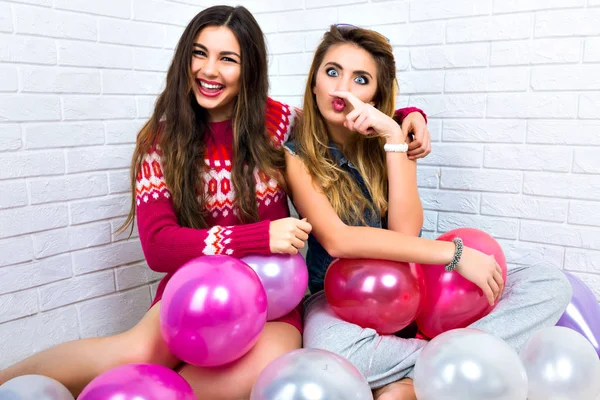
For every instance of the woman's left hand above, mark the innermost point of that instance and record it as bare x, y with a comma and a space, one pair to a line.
415, 129
367, 120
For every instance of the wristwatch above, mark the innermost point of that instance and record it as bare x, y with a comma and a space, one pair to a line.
396, 148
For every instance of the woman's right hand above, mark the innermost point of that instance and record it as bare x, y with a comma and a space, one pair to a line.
367, 120
482, 270
287, 235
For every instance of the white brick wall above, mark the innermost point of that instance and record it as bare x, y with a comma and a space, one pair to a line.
512, 90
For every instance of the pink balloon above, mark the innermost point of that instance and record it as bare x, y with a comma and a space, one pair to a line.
213, 311
138, 382
379, 294
452, 301
285, 279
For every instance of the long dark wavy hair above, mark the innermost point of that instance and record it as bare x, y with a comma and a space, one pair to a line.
179, 125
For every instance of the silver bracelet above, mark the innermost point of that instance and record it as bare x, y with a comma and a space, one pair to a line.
457, 254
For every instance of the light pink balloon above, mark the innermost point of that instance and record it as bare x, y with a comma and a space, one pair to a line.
213, 311
285, 279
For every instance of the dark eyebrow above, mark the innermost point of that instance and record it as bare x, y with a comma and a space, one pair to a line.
223, 53
357, 72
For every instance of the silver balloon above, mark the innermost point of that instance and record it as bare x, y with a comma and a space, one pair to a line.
561, 365
34, 387
311, 374
469, 364
9, 395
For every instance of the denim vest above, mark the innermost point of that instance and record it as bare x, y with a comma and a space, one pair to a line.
317, 258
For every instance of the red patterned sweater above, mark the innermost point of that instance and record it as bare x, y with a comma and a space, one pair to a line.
167, 245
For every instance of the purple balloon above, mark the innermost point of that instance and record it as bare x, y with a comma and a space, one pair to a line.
285, 279
138, 382
583, 312
213, 311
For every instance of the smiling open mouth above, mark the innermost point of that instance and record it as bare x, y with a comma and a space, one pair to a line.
209, 89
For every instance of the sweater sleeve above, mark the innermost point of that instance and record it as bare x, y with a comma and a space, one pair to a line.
281, 119
166, 244
402, 113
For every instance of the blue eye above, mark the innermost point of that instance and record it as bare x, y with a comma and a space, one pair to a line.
331, 72
199, 53
361, 80
229, 59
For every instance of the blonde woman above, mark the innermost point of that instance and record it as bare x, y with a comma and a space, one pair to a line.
348, 173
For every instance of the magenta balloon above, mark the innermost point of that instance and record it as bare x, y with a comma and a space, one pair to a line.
379, 294
452, 301
138, 382
285, 279
213, 311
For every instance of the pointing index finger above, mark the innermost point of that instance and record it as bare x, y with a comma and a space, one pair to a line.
352, 99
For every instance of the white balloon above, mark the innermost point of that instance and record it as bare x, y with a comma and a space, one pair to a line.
34, 387
469, 364
561, 365
311, 374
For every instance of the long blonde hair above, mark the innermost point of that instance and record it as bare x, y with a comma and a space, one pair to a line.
366, 153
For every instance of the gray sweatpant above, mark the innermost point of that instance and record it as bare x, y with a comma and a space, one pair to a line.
533, 298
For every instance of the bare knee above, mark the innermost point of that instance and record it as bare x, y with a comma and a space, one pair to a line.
143, 343
140, 347
278, 338
234, 381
